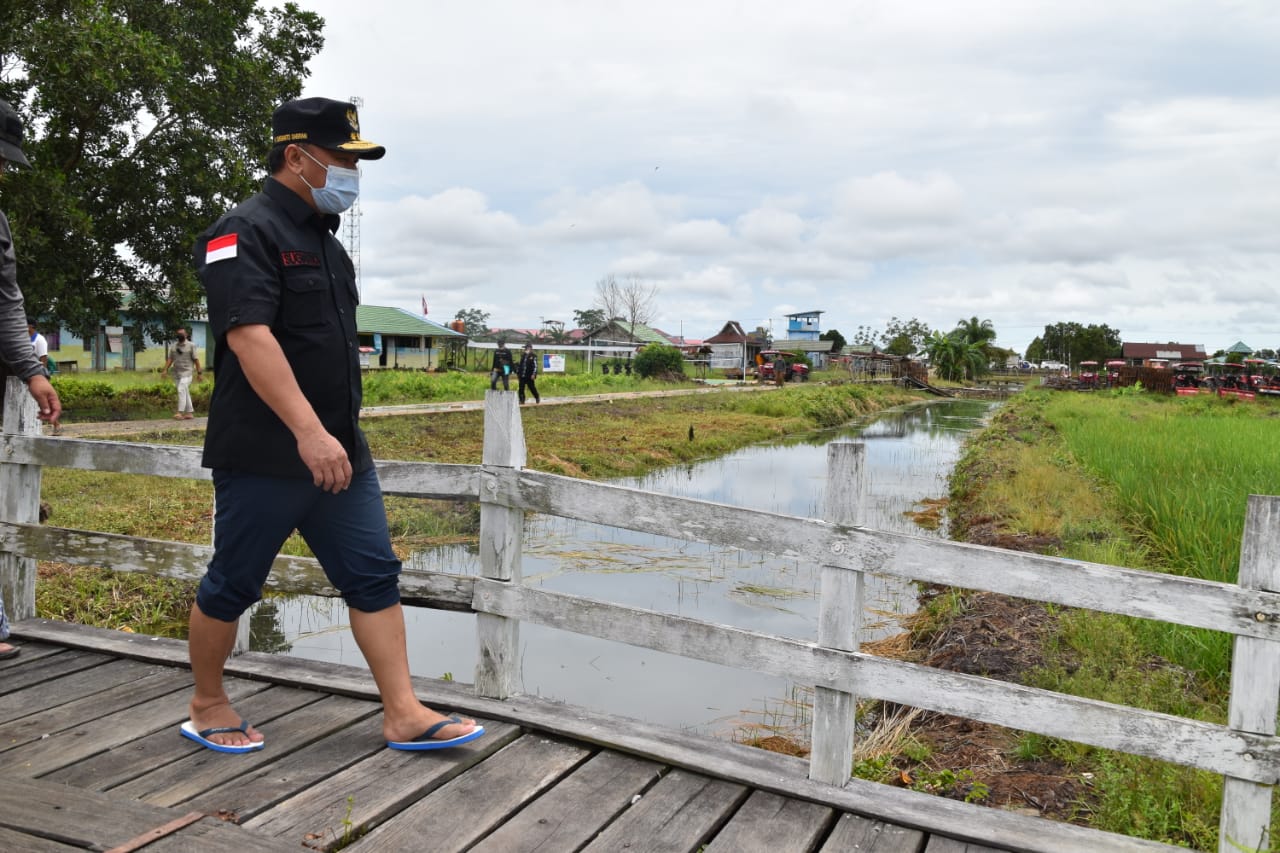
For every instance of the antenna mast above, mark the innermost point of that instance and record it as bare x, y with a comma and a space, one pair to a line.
351, 226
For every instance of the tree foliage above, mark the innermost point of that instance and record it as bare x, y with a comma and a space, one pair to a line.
1071, 343
904, 337
656, 360
837, 339
954, 358
144, 122
590, 318
475, 321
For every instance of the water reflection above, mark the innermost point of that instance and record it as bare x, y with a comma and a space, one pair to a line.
909, 454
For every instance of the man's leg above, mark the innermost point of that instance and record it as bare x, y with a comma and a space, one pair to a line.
209, 644
381, 638
348, 534
252, 517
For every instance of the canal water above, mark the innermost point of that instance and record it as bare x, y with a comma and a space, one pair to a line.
909, 455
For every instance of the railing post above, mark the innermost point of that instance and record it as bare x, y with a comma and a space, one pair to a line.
839, 618
19, 501
1255, 683
501, 531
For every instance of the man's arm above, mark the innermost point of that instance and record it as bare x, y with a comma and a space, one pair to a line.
268, 371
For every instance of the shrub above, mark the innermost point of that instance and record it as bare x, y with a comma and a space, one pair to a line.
659, 361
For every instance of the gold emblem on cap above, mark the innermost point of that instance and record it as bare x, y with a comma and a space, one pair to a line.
353, 121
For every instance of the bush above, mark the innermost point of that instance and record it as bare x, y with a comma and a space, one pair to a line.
659, 361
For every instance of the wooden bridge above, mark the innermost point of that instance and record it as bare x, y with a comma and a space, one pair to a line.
90, 758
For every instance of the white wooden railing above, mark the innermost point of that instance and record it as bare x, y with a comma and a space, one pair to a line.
1246, 751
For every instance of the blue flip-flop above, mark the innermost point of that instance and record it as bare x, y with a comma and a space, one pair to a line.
202, 737
428, 740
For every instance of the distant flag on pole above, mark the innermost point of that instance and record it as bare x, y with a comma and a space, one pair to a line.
424, 306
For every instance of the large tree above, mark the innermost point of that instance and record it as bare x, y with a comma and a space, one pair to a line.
631, 301
1071, 343
953, 357
474, 321
904, 337
590, 318
144, 122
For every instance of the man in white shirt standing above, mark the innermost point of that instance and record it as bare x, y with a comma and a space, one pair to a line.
38, 344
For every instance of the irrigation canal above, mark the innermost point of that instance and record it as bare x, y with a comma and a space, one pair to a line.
910, 454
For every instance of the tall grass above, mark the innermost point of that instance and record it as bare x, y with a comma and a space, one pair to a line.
1181, 471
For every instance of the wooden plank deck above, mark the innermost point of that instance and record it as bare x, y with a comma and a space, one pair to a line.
91, 759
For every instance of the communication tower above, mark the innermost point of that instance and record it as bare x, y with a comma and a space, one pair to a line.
351, 226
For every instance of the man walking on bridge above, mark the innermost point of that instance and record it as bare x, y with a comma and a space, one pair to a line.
283, 441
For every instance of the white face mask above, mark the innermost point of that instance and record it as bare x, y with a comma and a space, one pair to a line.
341, 187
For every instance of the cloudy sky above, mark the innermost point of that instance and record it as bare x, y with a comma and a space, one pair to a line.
1025, 161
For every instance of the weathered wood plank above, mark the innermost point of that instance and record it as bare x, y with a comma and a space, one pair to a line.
765, 770
42, 808
854, 832
13, 840
840, 609
501, 535
38, 664
681, 812
417, 479
1169, 738
155, 460
462, 811
939, 844
212, 835
46, 709
263, 788
19, 498
123, 743
578, 807
301, 575
1178, 600
199, 769
370, 791
768, 823
1245, 822
434, 480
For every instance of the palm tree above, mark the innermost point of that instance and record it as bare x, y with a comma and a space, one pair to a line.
955, 358
977, 331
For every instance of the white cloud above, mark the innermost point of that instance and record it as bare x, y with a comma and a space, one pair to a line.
1096, 162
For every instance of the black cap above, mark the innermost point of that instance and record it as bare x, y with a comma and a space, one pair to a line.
323, 122
11, 136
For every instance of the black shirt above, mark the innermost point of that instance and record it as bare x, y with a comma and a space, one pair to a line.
274, 261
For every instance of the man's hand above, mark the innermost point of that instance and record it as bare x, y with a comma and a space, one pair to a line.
326, 459
46, 398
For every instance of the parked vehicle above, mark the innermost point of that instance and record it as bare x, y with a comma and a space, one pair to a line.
1088, 374
1113, 372
796, 370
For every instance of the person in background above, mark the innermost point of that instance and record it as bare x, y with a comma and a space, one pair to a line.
526, 370
184, 362
501, 367
39, 345
17, 355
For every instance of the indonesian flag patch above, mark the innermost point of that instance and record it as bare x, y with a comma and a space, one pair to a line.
220, 248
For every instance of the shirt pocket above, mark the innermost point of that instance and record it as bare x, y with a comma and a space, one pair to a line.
306, 296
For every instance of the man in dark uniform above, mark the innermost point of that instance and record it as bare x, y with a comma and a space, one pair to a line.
283, 439
17, 358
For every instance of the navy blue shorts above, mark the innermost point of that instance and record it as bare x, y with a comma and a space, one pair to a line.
255, 514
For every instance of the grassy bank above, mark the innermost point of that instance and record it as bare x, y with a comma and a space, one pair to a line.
1137, 480
598, 440
130, 395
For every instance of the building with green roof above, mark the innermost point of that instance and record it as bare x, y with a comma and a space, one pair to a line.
394, 337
